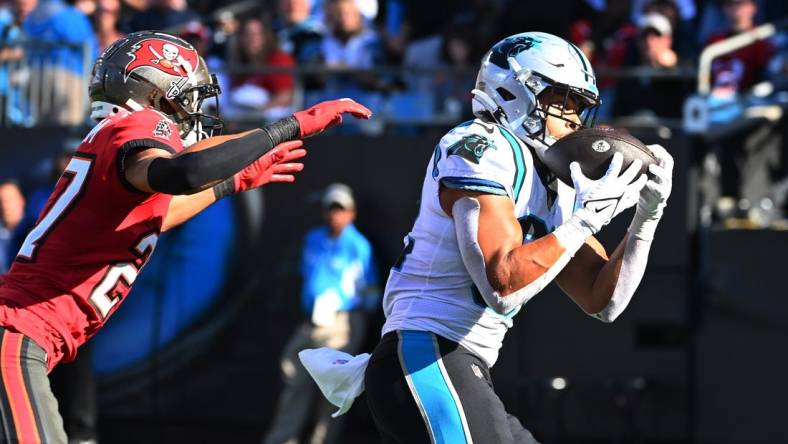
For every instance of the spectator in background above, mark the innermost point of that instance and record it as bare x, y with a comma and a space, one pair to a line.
105, 22
299, 35
645, 43
11, 17
651, 95
12, 209
746, 156
164, 15
683, 18
739, 71
666, 8
199, 36
349, 44
605, 35
580, 35
86, 7
266, 93
340, 287
411, 20
58, 22
454, 47
12, 14
681, 14
655, 45
67, 29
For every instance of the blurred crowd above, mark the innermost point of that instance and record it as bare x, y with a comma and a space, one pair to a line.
276, 54
414, 63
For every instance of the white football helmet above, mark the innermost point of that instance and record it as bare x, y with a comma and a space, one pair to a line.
518, 70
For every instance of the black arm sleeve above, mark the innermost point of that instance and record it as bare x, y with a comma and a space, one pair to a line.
192, 171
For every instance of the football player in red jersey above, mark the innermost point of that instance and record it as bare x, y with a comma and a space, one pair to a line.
148, 165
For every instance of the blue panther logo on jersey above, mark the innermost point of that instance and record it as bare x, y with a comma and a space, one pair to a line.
510, 47
470, 147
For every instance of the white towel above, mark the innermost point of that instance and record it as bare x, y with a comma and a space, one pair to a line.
339, 375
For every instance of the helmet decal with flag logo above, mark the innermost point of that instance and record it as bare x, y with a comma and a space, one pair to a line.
167, 57
161, 71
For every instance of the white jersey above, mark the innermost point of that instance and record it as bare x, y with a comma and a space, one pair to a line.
429, 288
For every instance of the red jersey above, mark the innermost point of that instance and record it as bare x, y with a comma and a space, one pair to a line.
273, 82
91, 240
744, 67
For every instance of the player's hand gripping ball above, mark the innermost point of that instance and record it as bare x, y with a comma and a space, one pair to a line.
593, 148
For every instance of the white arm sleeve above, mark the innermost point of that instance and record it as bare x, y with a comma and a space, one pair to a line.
465, 213
632, 269
652, 200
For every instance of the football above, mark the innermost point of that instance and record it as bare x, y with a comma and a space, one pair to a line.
593, 148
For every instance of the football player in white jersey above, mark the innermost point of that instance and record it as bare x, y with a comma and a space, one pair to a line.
494, 228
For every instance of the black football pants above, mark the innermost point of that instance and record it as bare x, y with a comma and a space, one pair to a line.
422, 388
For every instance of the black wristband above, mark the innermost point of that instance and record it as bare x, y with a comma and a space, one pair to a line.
224, 188
283, 130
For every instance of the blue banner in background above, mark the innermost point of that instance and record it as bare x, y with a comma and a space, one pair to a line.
182, 281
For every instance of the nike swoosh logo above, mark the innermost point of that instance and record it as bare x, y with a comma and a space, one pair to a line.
599, 206
598, 209
557, 65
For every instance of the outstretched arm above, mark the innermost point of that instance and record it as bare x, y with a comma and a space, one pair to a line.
213, 160
196, 168
278, 165
224, 165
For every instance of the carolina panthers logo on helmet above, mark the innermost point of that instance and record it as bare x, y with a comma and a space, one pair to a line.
510, 47
470, 147
168, 57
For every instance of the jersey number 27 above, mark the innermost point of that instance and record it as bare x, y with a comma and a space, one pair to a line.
103, 297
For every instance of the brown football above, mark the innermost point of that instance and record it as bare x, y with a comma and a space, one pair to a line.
593, 148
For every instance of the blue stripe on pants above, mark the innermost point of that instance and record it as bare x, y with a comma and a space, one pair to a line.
419, 357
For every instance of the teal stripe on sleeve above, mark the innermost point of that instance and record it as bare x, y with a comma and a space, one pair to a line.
519, 163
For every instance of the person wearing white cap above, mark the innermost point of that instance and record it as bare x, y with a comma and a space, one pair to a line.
656, 41
340, 288
652, 96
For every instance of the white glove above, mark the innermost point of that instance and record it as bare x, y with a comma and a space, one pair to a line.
597, 202
654, 195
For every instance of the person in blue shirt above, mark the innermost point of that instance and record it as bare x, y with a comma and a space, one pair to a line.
62, 38
299, 33
12, 208
340, 288
12, 103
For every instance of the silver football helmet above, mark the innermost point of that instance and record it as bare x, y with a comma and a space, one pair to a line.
157, 70
519, 71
